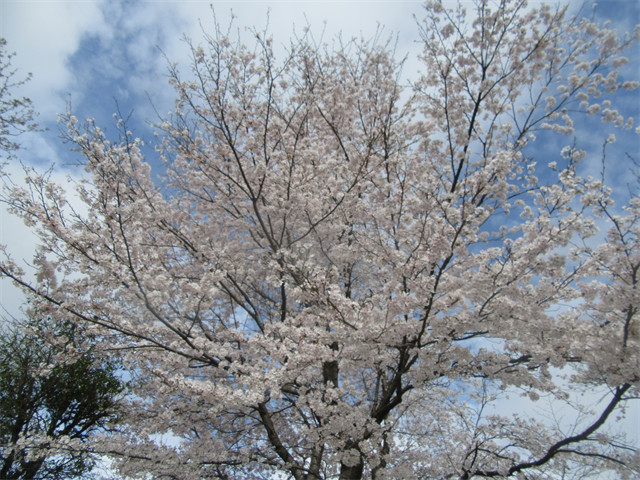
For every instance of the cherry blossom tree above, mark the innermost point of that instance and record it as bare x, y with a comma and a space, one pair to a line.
16, 114
338, 277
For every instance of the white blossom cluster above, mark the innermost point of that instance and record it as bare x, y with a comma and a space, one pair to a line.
312, 290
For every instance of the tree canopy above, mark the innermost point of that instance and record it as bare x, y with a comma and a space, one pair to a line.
339, 275
53, 396
16, 114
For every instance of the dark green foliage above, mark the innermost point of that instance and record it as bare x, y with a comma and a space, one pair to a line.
51, 393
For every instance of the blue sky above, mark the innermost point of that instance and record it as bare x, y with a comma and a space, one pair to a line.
93, 52
96, 53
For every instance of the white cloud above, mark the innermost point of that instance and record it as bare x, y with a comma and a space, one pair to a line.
44, 34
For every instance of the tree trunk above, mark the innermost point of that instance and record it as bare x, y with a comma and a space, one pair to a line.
352, 473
